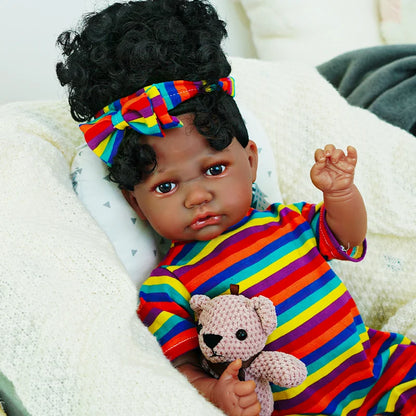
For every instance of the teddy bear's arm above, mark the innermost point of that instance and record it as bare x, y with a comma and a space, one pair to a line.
280, 368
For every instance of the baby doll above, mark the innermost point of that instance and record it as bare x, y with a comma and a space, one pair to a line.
152, 83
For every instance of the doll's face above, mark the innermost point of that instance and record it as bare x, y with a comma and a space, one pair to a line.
195, 192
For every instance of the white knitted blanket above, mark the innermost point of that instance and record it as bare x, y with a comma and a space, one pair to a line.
71, 343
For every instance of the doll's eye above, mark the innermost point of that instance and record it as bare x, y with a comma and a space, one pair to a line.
165, 187
215, 170
198, 328
241, 334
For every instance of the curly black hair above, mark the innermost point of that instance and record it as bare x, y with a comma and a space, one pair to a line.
130, 45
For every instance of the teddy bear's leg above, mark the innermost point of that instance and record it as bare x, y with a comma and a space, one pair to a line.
264, 394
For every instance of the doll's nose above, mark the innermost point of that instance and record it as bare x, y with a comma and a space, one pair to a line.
211, 340
197, 194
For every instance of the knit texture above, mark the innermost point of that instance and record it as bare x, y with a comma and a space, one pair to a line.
71, 342
233, 326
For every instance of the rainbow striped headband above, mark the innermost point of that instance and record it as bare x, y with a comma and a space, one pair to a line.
145, 111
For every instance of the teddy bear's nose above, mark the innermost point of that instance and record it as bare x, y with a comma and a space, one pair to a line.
211, 340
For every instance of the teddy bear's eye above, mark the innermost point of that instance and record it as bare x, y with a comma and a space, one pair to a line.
241, 334
198, 327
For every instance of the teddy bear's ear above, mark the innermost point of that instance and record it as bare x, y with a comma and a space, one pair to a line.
198, 303
266, 312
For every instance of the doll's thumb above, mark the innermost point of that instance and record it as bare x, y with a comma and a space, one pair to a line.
232, 370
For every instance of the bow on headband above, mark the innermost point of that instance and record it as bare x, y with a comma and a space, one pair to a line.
145, 111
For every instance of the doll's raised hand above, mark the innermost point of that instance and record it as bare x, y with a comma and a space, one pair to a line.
235, 397
333, 174
333, 170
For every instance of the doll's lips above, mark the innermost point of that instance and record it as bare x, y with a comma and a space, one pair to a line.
205, 220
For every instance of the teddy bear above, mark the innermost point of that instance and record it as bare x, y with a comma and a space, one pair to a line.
234, 326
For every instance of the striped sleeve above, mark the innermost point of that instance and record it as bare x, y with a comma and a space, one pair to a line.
329, 246
164, 309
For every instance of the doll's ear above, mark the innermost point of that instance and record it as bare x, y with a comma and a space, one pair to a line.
198, 303
252, 153
266, 312
131, 199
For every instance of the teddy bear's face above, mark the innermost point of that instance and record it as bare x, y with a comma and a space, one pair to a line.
229, 327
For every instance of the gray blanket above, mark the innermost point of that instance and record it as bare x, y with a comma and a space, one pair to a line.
381, 79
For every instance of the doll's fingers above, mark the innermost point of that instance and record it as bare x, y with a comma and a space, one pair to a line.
249, 402
253, 410
336, 156
328, 150
248, 399
352, 153
232, 370
245, 388
320, 156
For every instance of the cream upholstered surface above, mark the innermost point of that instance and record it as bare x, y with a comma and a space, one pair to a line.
314, 31
71, 341
397, 18
311, 32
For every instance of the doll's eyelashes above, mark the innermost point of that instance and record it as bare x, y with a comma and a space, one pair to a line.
241, 334
198, 327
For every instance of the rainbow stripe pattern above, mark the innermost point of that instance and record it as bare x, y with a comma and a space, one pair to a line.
145, 111
282, 253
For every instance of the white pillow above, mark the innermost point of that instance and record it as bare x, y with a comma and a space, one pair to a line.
397, 21
137, 245
311, 31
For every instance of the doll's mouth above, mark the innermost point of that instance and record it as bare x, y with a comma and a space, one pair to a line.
203, 221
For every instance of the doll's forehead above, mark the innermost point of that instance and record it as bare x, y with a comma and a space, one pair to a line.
187, 132
186, 143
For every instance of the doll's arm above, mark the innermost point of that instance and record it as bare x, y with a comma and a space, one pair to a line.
333, 174
280, 368
232, 396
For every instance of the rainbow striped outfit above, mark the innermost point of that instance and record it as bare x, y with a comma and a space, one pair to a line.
282, 253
